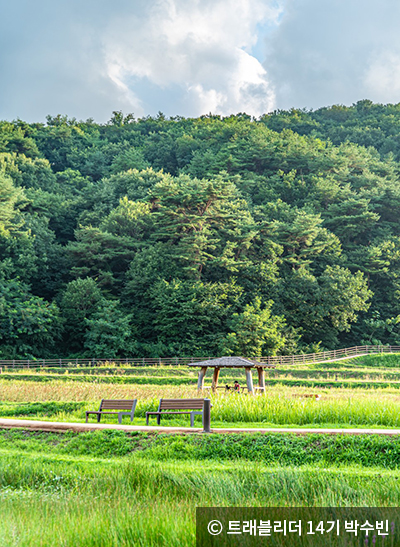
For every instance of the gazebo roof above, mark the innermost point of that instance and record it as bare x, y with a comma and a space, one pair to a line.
230, 362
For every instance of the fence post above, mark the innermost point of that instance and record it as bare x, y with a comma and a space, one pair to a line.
207, 416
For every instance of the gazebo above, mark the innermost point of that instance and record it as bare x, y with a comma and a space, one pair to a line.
232, 362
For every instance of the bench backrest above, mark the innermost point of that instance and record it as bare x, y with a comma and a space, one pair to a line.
181, 404
117, 404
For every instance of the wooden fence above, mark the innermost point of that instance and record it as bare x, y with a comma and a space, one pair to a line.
284, 360
327, 356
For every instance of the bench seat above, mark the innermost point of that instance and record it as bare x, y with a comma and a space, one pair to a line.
192, 407
121, 407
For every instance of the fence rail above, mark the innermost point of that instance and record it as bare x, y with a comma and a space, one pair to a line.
326, 356
322, 357
131, 361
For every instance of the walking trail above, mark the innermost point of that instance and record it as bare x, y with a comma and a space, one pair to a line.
81, 427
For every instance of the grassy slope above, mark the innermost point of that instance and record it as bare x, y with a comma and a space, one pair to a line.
273, 449
280, 407
111, 489
372, 371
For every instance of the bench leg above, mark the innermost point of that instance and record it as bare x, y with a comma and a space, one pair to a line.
193, 414
147, 419
87, 417
98, 418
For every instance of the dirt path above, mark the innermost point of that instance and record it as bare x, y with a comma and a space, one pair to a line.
65, 426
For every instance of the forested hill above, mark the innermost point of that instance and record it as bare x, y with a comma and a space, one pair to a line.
203, 236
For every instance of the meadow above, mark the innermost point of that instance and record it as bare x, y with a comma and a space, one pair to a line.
113, 488
362, 392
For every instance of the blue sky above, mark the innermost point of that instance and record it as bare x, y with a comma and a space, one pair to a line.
87, 58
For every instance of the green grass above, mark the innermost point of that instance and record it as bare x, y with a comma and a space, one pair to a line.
313, 382
280, 409
112, 489
277, 408
271, 449
155, 370
372, 371
100, 378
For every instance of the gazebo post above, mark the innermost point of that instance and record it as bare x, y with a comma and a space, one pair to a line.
261, 378
231, 363
249, 380
215, 379
200, 381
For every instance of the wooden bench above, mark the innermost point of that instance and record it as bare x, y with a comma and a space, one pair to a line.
115, 406
178, 406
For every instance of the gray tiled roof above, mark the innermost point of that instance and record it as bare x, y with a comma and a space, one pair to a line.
234, 362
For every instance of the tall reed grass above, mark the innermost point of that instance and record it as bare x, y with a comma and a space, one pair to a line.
279, 405
283, 409
47, 502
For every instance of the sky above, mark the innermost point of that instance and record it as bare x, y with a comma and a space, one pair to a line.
87, 58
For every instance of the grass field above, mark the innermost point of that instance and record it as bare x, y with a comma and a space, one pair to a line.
371, 371
110, 488
281, 405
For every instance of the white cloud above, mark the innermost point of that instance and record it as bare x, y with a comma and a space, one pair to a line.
207, 101
202, 46
89, 58
332, 52
189, 57
52, 61
382, 78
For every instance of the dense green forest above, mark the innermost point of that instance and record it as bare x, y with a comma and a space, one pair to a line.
203, 236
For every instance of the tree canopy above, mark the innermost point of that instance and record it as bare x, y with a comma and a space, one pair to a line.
201, 236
